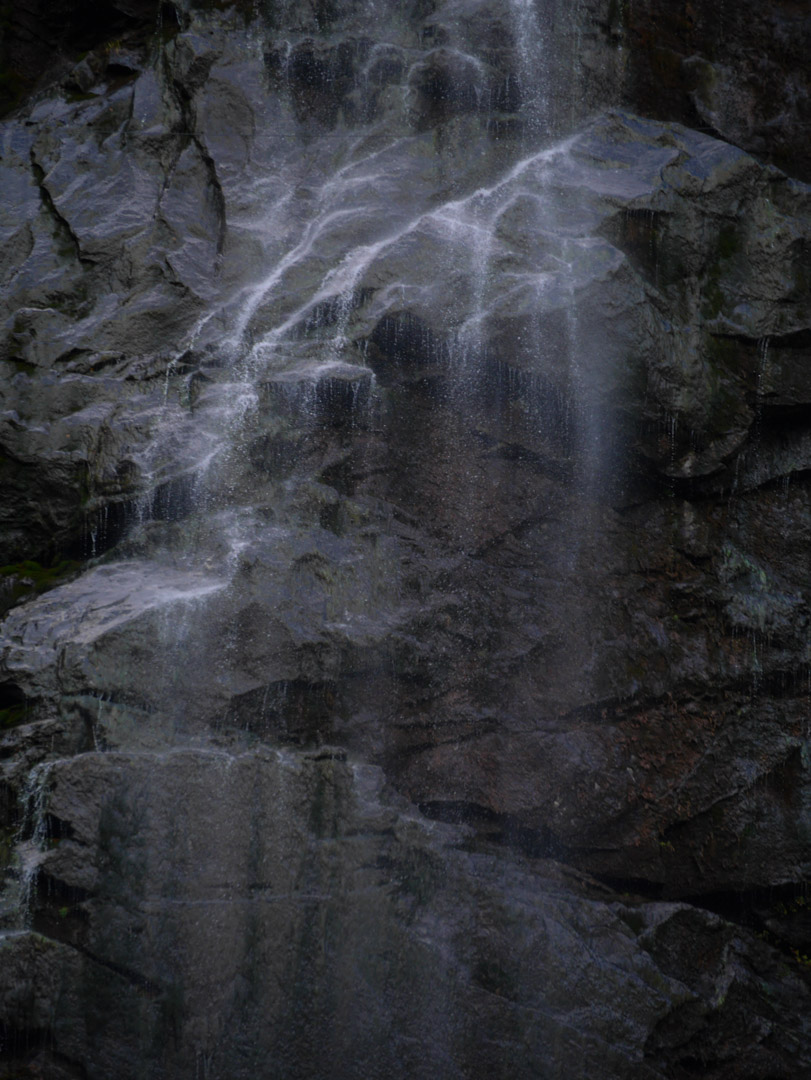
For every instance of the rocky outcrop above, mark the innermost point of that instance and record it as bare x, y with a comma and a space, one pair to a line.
43, 42
735, 70
456, 962
421, 684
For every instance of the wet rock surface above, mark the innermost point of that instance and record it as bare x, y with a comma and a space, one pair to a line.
321, 880
404, 665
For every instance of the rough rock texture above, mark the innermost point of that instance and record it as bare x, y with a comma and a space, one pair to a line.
404, 668
225, 932
737, 70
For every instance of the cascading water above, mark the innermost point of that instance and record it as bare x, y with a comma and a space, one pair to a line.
32, 838
533, 62
386, 534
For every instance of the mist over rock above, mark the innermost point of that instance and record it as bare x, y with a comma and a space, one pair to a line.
404, 658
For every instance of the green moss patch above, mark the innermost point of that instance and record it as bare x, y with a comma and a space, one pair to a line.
31, 578
13, 716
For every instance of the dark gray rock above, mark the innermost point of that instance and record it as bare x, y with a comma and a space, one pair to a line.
737, 72
438, 453
352, 930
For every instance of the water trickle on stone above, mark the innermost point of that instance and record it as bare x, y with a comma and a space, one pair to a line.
32, 839
529, 29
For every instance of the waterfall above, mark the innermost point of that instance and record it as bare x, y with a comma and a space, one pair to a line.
33, 834
533, 61
425, 682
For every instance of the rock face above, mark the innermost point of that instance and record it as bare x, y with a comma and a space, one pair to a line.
736, 70
404, 667
300, 879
